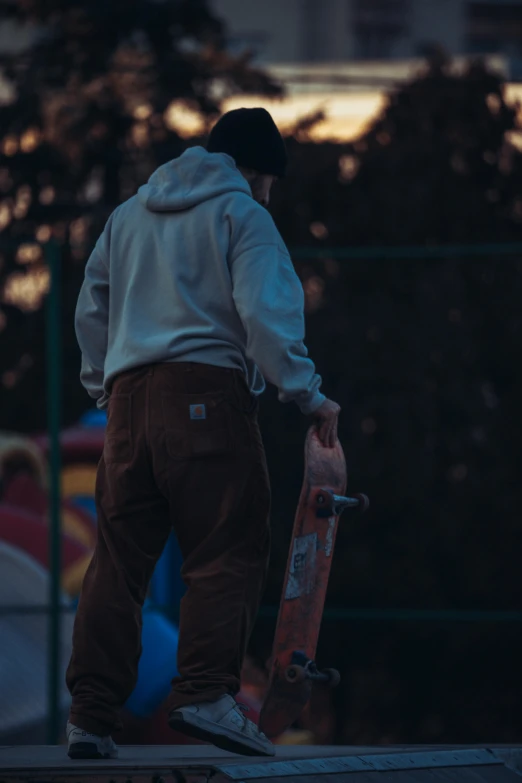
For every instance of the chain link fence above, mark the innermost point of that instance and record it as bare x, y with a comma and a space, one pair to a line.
36, 614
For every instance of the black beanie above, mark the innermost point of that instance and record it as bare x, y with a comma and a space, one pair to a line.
251, 137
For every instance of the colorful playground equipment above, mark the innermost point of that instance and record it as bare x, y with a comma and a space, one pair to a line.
24, 534
24, 541
23, 651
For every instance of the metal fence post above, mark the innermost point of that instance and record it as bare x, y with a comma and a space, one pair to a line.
54, 369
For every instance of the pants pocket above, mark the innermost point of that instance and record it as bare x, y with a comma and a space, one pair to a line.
196, 425
118, 444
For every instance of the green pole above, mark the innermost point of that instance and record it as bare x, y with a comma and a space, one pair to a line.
421, 252
53, 362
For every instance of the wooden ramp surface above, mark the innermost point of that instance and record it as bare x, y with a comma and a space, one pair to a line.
332, 764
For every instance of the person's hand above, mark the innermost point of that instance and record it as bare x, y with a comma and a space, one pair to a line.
327, 417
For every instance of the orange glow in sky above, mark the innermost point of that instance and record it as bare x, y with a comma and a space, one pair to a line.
348, 115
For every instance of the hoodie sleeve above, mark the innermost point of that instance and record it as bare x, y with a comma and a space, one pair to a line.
92, 317
270, 301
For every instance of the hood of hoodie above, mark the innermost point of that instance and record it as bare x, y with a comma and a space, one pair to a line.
194, 177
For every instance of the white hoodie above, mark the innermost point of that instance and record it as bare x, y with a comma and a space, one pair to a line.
192, 269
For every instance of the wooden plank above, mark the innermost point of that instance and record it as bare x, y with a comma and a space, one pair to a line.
197, 764
54, 757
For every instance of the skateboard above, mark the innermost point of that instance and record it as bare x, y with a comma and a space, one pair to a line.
293, 669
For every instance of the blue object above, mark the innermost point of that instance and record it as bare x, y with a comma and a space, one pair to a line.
167, 587
94, 419
157, 664
86, 503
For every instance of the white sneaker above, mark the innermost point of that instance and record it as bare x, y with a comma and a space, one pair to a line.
84, 745
223, 724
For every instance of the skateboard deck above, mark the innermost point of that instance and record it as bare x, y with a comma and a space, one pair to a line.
293, 669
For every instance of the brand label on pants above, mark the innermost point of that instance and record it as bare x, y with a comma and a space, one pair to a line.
198, 412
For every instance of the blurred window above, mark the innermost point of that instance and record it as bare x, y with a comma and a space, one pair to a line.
378, 25
494, 27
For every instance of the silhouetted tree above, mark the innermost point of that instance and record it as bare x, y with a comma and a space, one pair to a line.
95, 97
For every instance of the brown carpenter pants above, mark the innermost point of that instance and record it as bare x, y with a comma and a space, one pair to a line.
182, 450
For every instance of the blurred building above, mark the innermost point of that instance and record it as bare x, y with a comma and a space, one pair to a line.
291, 31
343, 57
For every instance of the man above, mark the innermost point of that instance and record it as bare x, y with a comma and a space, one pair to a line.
189, 299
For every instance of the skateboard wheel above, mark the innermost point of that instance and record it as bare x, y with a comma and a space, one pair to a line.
334, 678
295, 674
364, 502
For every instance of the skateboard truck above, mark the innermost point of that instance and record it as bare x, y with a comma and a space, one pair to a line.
329, 505
302, 668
